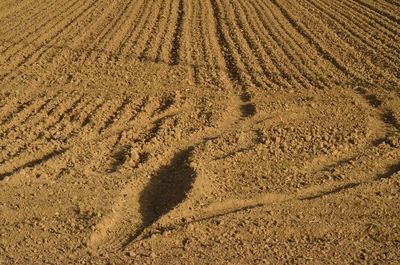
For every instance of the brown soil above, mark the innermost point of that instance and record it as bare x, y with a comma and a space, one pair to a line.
200, 132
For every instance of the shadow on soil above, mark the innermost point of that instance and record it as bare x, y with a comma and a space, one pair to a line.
167, 189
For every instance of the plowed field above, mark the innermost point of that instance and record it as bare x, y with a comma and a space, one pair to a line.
200, 132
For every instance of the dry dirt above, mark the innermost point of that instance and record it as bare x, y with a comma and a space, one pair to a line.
200, 132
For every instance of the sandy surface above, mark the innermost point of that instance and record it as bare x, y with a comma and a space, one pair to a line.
200, 132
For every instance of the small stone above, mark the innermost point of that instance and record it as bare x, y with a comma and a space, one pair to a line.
131, 254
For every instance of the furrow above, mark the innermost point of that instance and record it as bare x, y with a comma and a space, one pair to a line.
165, 49
374, 18
14, 115
274, 48
115, 116
47, 122
28, 16
27, 162
353, 24
374, 30
343, 54
387, 58
40, 32
221, 67
147, 40
13, 9
238, 47
31, 57
382, 13
266, 59
175, 53
138, 28
235, 69
127, 21
115, 25
294, 44
153, 47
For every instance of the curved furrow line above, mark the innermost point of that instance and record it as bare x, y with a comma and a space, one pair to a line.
11, 105
13, 9
132, 26
28, 16
192, 43
84, 29
31, 57
43, 116
145, 41
65, 113
389, 6
47, 134
49, 121
231, 66
14, 114
115, 115
145, 106
40, 31
95, 120
358, 40
239, 46
175, 52
275, 49
350, 57
204, 52
71, 34
238, 70
294, 44
32, 160
392, 2
164, 54
263, 53
252, 50
149, 136
125, 24
122, 117
194, 52
153, 45
208, 60
23, 53
27, 115
103, 26
221, 67
93, 22
109, 29
71, 121
82, 123
297, 44
138, 28
349, 63
37, 120
311, 39
374, 30
382, 13
368, 32
115, 24
374, 18
101, 116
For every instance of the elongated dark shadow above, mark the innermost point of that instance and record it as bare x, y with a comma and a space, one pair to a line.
167, 188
